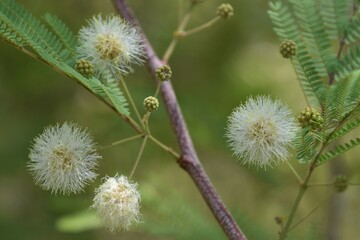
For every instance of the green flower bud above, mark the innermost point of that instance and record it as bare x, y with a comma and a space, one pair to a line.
163, 73
288, 48
340, 183
151, 104
225, 11
85, 68
311, 117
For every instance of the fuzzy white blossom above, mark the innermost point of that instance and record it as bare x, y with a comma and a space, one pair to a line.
110, 43
117, 202
63, 159
261, 130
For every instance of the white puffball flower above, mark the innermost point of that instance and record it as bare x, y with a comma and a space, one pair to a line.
63, 159
261, 130
110, 43
117, 202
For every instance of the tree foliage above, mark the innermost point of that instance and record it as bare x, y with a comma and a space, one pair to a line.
326, 63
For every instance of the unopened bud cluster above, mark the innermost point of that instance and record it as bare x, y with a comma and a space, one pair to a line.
151, 104
340, 183
225, 11
163, 73
311, 117
85, 68
288, 48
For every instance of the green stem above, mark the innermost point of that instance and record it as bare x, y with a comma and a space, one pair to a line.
127, 92
202, 27
166, 148
122, 141
183, 23
302, 88
309, 213
304, 186
157, 89
295, 173
138, 156
146, 122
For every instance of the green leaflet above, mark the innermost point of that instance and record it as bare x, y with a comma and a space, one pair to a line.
109, 93
335, 16
66, 36
113, 92
305, 144
352, 26
314, 36
19, 27
284, 22
345, 129
10, 36
338, 150
343, 99
310, 71
312, 83
31, 30
349, 62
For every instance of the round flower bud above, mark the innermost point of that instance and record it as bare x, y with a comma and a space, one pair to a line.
85, 68
117, 202
151, 104
163, 73
288, 48
311, 117
225, 11
340, 183
63, 159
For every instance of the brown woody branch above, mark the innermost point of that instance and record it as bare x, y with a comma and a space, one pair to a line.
189, 160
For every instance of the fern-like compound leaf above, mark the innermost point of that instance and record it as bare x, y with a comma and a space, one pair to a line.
66, 36
31, 30
114, 93
345, 129
305, 144
55, 48
284, 22
338, 150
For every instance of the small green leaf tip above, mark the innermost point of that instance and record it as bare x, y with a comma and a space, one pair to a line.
288, 48
163, 73
151, 104
340, 183
85, 68
225, 11
311, 117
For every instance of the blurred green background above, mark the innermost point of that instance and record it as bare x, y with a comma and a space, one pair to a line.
213, 72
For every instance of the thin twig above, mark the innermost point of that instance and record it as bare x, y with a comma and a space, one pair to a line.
295, 172
183, 23
166, 148
122, 141
141, 151
311, 212
201, 27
